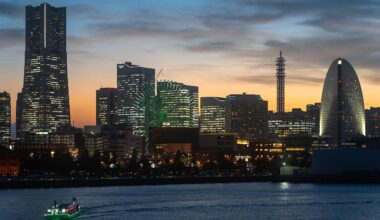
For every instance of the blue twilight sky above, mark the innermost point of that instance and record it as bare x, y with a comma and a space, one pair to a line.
223, 46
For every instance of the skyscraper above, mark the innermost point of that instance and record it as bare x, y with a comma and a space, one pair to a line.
177, 104
18, 114
45, 96
280, 67
312, 113
342, 108
194, 105
213, 115
132, 81
106, 106
5, 118
247, 115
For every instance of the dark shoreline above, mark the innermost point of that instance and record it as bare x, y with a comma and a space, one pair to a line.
98, 182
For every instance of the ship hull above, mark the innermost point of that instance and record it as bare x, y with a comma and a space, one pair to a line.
62, 216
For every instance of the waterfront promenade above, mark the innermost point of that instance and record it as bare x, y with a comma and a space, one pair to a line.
14, 183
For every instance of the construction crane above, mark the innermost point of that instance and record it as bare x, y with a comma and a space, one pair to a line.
155, 83
159, 74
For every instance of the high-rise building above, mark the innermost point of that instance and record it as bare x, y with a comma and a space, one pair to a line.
342, 107
373, 122
247, 115
291, 123
312, 113
106, 106
45, 94
5, 118
177, 105
132, 82
213, 115
18, 114
194, 105
280, 67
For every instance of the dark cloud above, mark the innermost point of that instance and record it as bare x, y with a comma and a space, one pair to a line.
271, 79
210, 46
147, 29
11, 10
87, 11
256, 79
10, 37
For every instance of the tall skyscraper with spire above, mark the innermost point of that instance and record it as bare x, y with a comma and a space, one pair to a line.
45, 97
280, 67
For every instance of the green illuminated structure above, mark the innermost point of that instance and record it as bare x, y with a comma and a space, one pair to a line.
178, 104
172, 105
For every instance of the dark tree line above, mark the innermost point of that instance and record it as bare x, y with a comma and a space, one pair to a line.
178, 164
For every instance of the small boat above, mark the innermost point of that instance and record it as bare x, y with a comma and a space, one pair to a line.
63, 211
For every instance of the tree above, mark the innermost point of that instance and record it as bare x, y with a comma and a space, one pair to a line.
145, 167
178, 165
225, 164
132, 164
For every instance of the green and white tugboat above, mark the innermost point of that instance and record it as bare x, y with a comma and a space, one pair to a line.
63, 211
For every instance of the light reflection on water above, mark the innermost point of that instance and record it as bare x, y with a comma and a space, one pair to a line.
203, 201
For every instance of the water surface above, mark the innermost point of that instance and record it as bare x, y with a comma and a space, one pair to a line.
203, 201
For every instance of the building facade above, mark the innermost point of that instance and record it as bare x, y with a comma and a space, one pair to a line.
247, 115
213, 115
177, 105
61, 140
45, 95
342, 108
173, 139
132, 82
296, 122
117, 141
106, 106
10, 164
312, 113
373, 122
5, 118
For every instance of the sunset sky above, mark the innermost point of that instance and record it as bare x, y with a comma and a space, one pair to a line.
222, 46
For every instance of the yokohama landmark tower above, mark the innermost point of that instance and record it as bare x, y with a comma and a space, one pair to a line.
280, 67
44, 101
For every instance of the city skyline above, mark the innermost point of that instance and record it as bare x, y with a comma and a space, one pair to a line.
209, 47
167, 109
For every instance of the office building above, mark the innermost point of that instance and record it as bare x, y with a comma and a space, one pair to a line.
117, 141
312, 113
18, 115
295, 122
5, 118
132, 82
177, 105
373, 122
106, 106
213, 115
44, 101
247, 115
